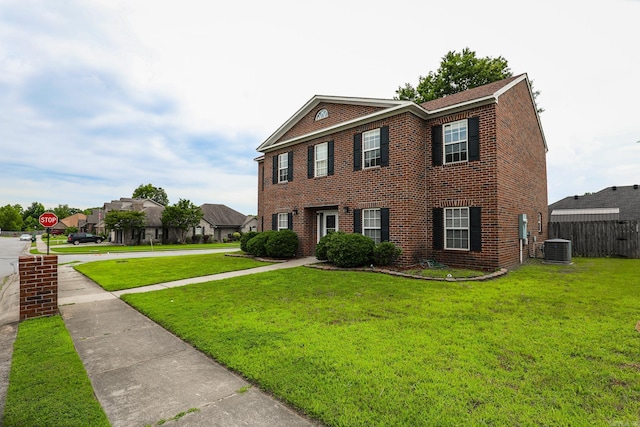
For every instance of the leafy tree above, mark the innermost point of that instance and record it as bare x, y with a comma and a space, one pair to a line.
11, 218
157, 194
62, 211
182, 216
34, 211
125, 220
457, 72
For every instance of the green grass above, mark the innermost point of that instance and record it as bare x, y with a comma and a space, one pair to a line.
114, 275
103, 248
544, 345
48, 385
442, 273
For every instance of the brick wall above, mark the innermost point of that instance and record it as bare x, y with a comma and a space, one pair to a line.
38, 286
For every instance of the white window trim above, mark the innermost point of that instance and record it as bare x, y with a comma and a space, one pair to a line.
444, 143
322, 114
316, 161
467, 228
539, 222
284, 156
378, 228
283, 217
364, 151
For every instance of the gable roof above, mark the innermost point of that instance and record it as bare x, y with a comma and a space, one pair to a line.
626, 199
222, 215
481, 95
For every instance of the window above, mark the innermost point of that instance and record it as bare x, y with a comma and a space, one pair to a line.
371, 224
322, 114
371, 148
321, 159
283, 221
455, 142
456, 225
539, 222
283, 167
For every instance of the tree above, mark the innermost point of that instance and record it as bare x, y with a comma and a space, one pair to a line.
11, 218
458, 72
157, 194
30, 216
182, 216
125, 220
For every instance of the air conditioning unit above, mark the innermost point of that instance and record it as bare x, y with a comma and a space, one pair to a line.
557, 251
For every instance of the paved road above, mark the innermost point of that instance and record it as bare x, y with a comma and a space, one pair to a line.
10, 249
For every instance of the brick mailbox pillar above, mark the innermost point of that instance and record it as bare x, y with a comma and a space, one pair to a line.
38, 285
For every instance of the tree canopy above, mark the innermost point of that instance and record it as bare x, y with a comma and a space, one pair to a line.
124, 220
11, 218
157, 194
181, 216
458, 71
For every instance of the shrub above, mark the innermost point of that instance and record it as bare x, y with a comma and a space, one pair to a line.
196, 238
245, 238
321, 247
236, 236
206, 238
386, 253
350, 250
256, 245
282, 244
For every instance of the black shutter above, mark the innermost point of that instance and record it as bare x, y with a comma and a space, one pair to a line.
275, 170
330, 158
274, 221
290, 221
310, 150
357, 221
436, 145
384, 146
357, 151
384, 224
438, 228
474, 138
475, 229
290, 166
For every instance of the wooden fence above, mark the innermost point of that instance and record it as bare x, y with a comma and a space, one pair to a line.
599, 238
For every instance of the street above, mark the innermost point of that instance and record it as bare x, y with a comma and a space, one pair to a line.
10, 250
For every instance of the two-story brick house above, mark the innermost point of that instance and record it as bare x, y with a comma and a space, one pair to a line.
444, 180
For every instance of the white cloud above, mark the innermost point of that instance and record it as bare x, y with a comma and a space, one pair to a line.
99, 97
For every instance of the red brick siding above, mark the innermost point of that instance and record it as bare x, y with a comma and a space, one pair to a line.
338, 113
522, 178
38, 286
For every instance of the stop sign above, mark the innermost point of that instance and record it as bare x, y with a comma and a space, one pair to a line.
48, 219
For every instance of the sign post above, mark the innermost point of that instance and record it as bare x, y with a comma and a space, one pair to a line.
48, 220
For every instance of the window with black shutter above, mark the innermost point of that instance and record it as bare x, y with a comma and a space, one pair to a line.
384, 224
357, 151
357, 221
438, 228
436, 145
474, 138
475, 229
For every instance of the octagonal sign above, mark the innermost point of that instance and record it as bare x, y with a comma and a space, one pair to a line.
48, 219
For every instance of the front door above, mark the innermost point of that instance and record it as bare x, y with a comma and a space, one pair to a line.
327, 223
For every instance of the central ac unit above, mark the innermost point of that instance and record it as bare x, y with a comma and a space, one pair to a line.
557, 251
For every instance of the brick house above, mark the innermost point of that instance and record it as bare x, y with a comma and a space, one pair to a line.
444, 180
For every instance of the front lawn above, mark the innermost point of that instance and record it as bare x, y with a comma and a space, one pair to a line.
48, 385
103, 248
544, 345
118, 274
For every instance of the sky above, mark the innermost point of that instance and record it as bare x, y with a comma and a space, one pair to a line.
100, 96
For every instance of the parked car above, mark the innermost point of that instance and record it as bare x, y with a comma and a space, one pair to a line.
26, 237
77, 238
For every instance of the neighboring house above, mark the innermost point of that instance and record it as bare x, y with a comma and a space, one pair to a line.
94, 222
219, 222
250, 224
443, 180
153, 231
609, 204
75, 220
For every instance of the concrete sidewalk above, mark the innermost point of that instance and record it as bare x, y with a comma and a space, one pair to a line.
142, 374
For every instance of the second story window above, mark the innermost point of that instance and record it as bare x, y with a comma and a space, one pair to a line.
283, 167
371, 148
321, 159
455, 142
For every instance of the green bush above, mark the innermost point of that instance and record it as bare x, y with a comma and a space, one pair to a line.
321, 247
256, 246
386, 253
282, 244
350, 250
245, 239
